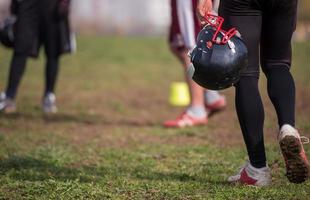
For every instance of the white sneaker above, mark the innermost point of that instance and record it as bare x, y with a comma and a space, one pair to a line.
49, 104
249, 175
7, 105
296, 161
214, 102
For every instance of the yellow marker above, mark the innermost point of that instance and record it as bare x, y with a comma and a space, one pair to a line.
179, 94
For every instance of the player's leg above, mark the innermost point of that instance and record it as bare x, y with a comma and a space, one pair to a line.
25, 39
49, 35
196, 92
247, 19
214, 102
183, 31
187, 23
278, 27
276, 53
17, 68
248, 100
51, 73
182, 39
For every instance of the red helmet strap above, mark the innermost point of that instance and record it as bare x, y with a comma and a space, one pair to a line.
217, 22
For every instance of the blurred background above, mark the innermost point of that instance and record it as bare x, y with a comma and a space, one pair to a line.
107, 140
138, 17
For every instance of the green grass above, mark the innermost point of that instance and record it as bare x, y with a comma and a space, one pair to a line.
107, 141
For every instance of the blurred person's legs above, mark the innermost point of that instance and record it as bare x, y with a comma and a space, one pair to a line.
25, 41
183, 31
49, 37
196, 113
196, 92
17, 68
51, 73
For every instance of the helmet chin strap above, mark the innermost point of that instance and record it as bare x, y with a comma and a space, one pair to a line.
217, 22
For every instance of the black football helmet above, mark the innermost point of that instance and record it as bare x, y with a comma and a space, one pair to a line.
218, 57
7, 34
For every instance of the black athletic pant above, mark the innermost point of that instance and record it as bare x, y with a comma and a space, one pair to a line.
37, 23
17, 69
266, 27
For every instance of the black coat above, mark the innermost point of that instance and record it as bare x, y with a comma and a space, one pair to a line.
39, 22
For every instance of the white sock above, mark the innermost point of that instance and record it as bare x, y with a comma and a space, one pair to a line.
197, 111
212, 96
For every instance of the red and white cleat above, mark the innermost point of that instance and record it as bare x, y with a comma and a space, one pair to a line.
185, 120
249, 175
216, 106
296, 161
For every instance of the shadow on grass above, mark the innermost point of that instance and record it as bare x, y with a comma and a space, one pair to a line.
181, 177
31, 169
80, 118
27, 168
97, 120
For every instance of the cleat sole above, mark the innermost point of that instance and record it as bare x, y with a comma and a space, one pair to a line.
297, 169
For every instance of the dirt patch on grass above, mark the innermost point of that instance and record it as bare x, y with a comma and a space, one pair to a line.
129, 118
140, 115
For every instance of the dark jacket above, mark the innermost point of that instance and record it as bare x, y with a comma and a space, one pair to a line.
42, 22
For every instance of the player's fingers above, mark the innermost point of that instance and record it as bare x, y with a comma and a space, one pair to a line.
204, 7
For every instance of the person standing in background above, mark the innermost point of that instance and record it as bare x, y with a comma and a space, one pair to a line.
39, 22
184, 29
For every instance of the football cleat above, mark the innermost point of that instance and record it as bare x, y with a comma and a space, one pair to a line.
7, 105
49, 104
296, 161
185, 120
216, 106
249, 175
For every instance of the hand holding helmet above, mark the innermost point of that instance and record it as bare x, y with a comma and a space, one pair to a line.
204, 7
219, 56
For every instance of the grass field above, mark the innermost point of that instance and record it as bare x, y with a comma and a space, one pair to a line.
107, 141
